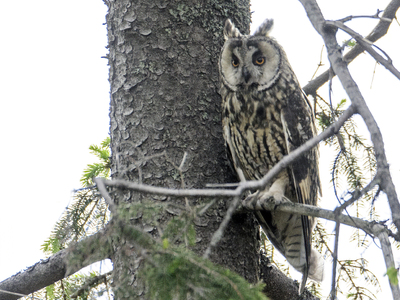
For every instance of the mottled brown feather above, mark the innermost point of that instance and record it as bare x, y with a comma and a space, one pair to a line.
265, 117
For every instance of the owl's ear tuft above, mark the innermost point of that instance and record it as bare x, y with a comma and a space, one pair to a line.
230, 31
264, 28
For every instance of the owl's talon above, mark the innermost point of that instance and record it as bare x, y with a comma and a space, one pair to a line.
252, 198
272, 196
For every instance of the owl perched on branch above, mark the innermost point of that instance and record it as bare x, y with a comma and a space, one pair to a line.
265, 116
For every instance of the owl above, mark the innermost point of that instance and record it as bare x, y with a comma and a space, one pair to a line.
265, 116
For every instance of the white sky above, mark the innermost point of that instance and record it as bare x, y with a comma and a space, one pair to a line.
55, 101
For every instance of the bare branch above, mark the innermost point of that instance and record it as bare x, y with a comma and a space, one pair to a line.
90, 283
242, 186
387, 63
310, 210
19, 295
351, 88
335, 254
379, 31
217, 236
104, 193
358, 194
389, 260
375, 16
340, 68
54, 268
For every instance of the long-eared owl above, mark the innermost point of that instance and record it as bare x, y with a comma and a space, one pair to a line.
265, 116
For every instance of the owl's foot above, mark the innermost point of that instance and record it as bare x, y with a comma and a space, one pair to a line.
275, 193
252, 198
271, 196
257, 199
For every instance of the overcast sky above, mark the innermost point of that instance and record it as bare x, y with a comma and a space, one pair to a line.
55, 103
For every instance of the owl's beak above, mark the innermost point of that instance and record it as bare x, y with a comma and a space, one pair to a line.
246, 74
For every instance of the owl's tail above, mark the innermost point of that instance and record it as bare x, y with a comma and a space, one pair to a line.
315, 270
285, 232
316, 267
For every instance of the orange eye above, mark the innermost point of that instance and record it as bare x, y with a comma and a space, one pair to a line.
235, 62
260, 60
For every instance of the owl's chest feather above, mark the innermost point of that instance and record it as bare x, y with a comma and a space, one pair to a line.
255, 131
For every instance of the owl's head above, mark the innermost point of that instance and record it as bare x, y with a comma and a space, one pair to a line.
250, 60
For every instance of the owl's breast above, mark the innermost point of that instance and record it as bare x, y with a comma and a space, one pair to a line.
255, 132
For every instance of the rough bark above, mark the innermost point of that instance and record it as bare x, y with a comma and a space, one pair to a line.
164, 97
56, 267
278, 286
35, 277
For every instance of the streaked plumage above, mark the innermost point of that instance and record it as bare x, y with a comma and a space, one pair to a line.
265, 115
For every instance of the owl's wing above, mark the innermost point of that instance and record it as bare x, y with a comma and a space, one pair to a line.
299, 127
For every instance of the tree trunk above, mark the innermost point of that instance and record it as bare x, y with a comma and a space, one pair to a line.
164, 98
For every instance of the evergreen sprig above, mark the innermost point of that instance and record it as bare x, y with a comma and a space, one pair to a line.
100, 169
87, 214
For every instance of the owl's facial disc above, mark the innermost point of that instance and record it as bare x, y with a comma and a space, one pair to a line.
250, 62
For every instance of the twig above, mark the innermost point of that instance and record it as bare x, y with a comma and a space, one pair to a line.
222, 185
340, 68
90, 283
338, 136
335, 253
388, 256
379, 31
351, 88
84, 188
320, 64
18, 294
387, 63
313, 211
373, 75
375, 16
358, 194
102, 189
217, 236
205, 208
183, 161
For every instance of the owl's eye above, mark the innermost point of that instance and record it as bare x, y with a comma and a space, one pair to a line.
260, 61
235, 61
258, 58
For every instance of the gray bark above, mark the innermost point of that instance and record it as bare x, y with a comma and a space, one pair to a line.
56, 267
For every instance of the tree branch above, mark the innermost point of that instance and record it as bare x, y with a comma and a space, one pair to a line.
389, 260
339, 66
59, 266
379, 31
351, 88
387, 63
314, 211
